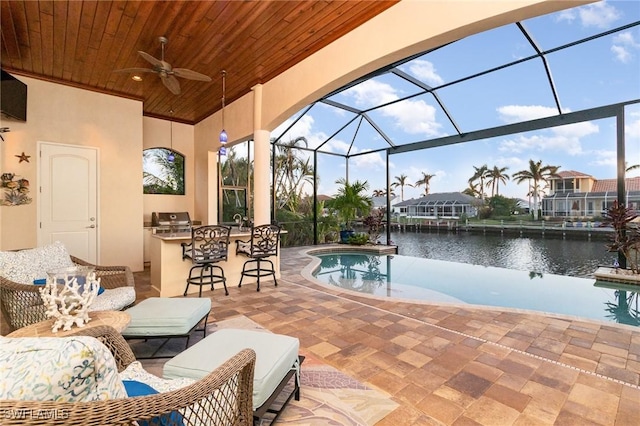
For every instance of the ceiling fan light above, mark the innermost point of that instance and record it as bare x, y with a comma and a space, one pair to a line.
136, 78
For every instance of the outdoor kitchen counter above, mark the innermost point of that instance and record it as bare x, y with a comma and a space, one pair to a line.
169, 272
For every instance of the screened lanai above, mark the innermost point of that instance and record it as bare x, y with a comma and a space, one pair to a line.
562, 89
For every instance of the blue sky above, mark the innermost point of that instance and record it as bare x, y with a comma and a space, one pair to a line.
604, 71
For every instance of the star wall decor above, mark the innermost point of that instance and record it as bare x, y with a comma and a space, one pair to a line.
23, 157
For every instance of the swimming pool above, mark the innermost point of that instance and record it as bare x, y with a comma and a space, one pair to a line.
415, 278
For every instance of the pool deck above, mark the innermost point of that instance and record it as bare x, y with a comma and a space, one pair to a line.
451, 364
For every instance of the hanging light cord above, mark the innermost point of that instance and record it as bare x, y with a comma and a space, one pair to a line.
171, 157
224, 92
223, 134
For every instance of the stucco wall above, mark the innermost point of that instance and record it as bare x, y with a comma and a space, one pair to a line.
66, 115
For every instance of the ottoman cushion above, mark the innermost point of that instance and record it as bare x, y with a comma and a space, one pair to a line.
275, 356
166, 316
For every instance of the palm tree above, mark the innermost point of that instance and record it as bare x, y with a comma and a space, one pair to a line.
379, 192
165, 177
292, 173
350, 199
426, 178
536, 173
494, 177
401, 181
480, 174
633, 167
472, 190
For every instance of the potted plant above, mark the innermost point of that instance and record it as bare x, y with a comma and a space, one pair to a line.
350, 200
375, 224
626, 236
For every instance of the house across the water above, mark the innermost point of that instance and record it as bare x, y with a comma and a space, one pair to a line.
444, 205
578, 195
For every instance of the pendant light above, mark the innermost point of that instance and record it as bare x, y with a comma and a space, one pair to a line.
223, 134
171, 157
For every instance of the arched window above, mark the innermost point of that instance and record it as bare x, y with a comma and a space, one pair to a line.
162, 171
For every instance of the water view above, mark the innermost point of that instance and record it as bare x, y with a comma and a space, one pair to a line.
572, 257
407, 277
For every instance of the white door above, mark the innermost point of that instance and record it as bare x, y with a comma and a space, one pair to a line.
67, 207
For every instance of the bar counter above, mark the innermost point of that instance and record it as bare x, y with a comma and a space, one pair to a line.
169, 272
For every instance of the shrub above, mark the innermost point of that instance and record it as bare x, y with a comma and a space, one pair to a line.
358, 239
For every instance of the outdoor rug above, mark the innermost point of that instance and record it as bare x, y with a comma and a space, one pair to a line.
328, 397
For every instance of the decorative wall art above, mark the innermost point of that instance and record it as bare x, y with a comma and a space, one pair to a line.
23, 157
16, 191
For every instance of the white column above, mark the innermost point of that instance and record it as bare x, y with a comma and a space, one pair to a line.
212, 188
261, 169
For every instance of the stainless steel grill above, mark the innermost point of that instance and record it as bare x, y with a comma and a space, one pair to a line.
171, 223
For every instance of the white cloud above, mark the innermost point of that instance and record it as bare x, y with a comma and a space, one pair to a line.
519, 113
623, 46
603, 158
301, 128
632, 127
568, 15
370, 162
410, 116
414, 117
425, 71
371, 93
513, 163
600, 14
562, 139
337, 146
621, 53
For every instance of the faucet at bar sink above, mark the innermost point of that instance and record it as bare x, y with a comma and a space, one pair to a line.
237, 218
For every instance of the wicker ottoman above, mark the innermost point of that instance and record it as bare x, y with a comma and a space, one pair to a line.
167, 317
277, 360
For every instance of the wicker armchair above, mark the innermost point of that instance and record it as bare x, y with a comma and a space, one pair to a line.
21, 304
224, 397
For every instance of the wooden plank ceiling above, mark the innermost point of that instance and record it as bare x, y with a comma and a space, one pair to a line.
81, 43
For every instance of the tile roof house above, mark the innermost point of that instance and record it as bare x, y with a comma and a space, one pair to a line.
576, 194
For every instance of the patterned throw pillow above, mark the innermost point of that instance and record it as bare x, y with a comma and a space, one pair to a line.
26, 266
64, 369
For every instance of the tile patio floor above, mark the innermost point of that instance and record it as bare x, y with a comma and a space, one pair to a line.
451, 365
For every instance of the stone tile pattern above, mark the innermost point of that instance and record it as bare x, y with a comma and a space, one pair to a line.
451, 364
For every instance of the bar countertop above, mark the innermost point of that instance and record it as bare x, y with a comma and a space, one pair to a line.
187, 235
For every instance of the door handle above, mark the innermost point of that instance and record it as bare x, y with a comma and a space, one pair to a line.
92, 226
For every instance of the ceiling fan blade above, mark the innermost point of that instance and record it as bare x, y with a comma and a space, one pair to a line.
153, 61
171, 83
190, 75
134, 70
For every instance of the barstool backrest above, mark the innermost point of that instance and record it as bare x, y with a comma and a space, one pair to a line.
209, 243
265, 240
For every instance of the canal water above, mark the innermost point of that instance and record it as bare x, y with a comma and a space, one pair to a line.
576, 257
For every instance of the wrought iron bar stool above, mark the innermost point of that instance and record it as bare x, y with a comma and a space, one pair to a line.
264, 243
209, 245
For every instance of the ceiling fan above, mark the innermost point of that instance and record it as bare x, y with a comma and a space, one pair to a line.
166, 72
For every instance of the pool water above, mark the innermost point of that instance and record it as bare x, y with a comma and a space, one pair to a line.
415, 278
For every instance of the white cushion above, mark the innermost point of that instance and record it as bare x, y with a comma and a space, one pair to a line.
276, 355
25, 266
135, 371
114, 299
63, 369
166, 316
